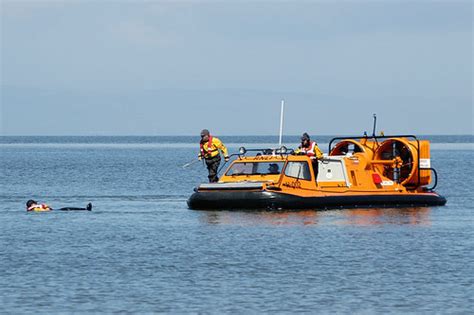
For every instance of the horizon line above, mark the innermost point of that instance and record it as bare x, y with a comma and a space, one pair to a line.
221, 135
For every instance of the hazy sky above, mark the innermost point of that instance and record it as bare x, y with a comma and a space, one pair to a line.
174, 67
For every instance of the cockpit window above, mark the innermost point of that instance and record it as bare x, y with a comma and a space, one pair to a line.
255, 168
298, 170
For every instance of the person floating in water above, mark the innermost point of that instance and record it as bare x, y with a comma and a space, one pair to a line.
209, 150
32, 205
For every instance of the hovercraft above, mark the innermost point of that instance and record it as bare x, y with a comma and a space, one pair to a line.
358, 172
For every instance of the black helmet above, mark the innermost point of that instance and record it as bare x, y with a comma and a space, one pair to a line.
30, 202
304, 137
204, 132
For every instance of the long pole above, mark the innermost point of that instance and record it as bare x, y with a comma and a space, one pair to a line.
281, 121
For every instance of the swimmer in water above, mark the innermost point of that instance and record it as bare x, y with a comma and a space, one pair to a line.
32, 205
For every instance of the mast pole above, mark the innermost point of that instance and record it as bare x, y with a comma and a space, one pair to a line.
281, 121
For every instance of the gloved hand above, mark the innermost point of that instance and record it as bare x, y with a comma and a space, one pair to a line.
226, 158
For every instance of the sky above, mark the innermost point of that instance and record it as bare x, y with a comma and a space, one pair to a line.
95, 67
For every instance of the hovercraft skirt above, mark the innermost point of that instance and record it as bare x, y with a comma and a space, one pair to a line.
241, 199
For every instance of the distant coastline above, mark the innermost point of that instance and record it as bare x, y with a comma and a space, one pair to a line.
192, 139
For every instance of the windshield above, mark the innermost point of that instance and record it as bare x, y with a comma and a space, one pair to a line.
255, 168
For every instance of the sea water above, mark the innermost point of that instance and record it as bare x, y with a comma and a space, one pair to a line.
142, 250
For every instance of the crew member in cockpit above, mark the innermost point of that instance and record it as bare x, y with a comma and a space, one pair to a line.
273, 169
311, 149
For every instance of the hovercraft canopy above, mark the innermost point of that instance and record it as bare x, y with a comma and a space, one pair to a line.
248, 168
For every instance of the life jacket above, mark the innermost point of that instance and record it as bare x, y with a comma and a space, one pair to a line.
207, 153
309, 151
41, 207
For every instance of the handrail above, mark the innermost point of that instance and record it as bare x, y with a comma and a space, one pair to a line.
267, 151
435, 177
242, 151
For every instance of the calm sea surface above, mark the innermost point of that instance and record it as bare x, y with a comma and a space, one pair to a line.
142, 250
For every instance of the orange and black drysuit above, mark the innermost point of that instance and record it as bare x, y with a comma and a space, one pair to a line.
209, 150
44, 207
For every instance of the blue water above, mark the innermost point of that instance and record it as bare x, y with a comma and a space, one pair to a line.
142, 250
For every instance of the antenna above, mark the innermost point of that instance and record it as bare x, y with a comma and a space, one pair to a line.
281, 121
375, 124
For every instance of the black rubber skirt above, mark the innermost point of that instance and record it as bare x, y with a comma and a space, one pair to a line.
235, 200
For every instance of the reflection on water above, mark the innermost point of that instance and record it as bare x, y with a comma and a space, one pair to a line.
359, 217
259, 217
381, 216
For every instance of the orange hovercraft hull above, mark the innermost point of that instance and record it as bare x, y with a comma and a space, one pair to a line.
385, 171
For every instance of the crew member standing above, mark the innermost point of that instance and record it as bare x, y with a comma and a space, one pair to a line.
311, 149
211, 147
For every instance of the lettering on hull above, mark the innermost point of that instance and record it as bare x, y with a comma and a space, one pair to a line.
294, 185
